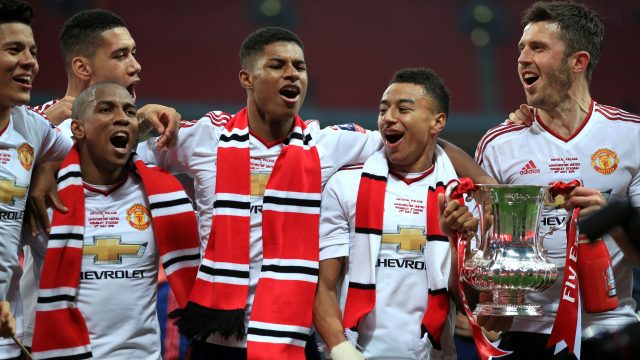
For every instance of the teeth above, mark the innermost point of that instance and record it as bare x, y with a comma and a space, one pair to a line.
25, 78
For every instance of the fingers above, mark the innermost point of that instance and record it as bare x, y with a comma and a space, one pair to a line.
522, 116
495, 323
7, 321
586, 199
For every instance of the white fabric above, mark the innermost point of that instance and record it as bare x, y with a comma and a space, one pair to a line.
30, 132
345, 351
195, 155
34, 251
393, 327
508, 152
117, 295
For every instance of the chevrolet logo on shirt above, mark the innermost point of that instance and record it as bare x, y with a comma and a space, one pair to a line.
259, 183
9, 191
406, 239
110, 250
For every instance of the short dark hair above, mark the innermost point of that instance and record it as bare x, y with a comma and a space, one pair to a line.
430, 82
88, 96
81, 35
14, 11
580, 27
254, 44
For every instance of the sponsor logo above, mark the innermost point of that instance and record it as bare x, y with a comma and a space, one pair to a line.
9, 191
605, 161
259, 183
255, 209
349, 127
529, 168
111, 250
401, 263
112, 274
25, 155
138, 217
406, 239
11, 215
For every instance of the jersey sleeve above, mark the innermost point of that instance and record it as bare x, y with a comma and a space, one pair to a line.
196, 140
55, 145
334, 221
488, 161
346, 145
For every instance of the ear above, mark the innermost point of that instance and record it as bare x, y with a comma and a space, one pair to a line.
81, 68
439, 121
246, 79
77, 128
581, 61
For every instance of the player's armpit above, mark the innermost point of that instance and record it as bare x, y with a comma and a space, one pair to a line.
464, 164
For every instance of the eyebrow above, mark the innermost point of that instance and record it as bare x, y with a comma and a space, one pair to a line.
411, 101
124, 48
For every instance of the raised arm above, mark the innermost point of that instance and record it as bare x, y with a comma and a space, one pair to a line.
464, 164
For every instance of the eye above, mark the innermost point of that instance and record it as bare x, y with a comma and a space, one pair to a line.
104, 109
131, 112
404, 110
383, 110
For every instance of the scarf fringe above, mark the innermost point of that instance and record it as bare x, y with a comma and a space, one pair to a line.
198, 322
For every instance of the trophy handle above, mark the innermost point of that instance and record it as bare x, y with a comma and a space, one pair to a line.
553, 229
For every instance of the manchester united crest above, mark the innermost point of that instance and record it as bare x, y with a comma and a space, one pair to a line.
138, 217
605, 161
25, 155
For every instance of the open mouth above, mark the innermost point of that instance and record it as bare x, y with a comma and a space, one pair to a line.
393, 137
120, 140
132, 89
23, 79
290, 92
530, 78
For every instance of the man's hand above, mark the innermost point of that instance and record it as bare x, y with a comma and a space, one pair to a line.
587, 199
7, 321
60, 111
164, 120
456, 217
43, 193
522, 116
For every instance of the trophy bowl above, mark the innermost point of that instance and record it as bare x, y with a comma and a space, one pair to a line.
509, 260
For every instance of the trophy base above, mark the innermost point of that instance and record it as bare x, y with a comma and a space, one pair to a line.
493, 309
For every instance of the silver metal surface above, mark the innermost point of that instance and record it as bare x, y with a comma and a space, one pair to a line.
509, 260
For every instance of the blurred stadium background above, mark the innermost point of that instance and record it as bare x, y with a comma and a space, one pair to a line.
189, 53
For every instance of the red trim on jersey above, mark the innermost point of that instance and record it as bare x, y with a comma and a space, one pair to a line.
219, 119
575, 133
268, 144
612, 113
410, 181
104, 192
493, 134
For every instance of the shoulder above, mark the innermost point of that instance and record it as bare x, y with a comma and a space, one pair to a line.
613, 115
499, 134
346, 177
45, 106
215, 118
29, 117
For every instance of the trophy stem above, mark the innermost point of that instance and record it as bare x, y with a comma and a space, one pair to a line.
508, 302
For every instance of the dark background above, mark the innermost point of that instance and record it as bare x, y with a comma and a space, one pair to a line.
189, 53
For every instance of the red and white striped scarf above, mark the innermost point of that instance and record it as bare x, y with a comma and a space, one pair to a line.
280, 320
361, 295
60, 328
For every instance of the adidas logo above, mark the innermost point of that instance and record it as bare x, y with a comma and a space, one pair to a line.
529, 168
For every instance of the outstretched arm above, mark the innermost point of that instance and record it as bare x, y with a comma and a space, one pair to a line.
464, 164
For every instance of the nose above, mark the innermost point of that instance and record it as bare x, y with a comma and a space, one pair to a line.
121, 117
27, 59
387, 118
136, 68
291, 73
525, 56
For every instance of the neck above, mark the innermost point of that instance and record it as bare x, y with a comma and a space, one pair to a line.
268, 128
421, 164
567, 116
95, 175
75, 86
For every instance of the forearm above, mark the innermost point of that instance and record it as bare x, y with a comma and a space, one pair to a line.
464, 164
327, 318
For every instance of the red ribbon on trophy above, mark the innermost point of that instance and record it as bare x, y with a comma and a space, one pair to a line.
486, 350
567, 326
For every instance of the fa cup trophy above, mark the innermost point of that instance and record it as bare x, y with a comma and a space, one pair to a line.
509, 260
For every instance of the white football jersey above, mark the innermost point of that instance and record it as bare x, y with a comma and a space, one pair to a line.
391, 328
27, 140
195, 154
119, 275
603, 153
